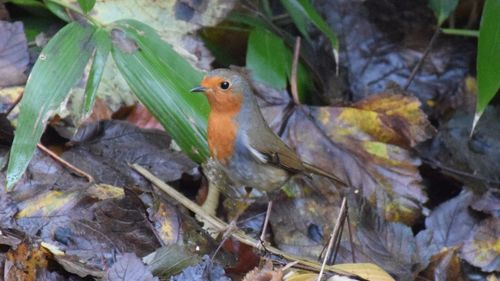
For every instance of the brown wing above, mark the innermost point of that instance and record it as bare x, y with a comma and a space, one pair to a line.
275, 152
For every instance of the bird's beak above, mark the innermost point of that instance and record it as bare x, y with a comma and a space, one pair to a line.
198, 89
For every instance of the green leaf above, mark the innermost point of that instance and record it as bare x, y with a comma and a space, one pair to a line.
298, 15
58, 68
103, 47
267, 58
57, 10
161, 79
302, 12
86, 5
442, 9
249, 20
33, 7
488, 56
270, 62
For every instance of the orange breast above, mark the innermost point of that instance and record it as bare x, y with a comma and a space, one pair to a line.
222, 131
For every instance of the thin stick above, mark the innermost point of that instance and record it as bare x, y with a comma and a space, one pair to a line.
332, 237
289, 265
238, 234
349, 229
65, 163
266, 222
422, 59
337, 240
293, 78
437, 165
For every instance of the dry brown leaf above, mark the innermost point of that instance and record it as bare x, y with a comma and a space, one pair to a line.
367, 145
23, 263
368, 271
445, 265
266, 273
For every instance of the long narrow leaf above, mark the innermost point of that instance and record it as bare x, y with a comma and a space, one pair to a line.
270, 62
303, 13
298, 15
58, 68
488, 57
103, 47
267, 59
161, 79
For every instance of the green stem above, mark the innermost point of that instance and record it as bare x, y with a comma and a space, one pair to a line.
461, 32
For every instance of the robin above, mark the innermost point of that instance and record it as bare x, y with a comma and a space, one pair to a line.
250, 153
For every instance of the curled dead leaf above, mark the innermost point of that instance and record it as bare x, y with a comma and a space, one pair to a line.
267, 272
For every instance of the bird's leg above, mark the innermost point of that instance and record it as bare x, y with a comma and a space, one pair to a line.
262, 238
240, 208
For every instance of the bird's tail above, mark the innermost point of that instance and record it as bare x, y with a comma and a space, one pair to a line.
318, 171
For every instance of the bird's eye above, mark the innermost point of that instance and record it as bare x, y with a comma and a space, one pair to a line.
224, 85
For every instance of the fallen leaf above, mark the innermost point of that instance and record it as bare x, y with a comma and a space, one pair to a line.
367, 146
267, 272
482, 249
105, 150
93, 232
45, 275
368, 271
11, 237
390, 245
142, 118
301, 226
445, 265
23, 263
168, 261
390, 39
476, 164
397, 120
14, 56
206, 270
166, 222
489, 202
129, 267
449, 225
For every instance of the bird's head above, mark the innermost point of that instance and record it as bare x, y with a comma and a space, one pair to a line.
225, 89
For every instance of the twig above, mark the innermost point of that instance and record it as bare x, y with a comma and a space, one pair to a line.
332, 237
337, 240
14, 104
293, 76
238, 234
266, 221
422, 59
437, 165
289, 265
65, 163
349, 229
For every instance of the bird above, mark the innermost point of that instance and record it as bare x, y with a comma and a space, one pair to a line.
250, 153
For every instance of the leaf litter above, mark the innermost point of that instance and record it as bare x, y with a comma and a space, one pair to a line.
370, 142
